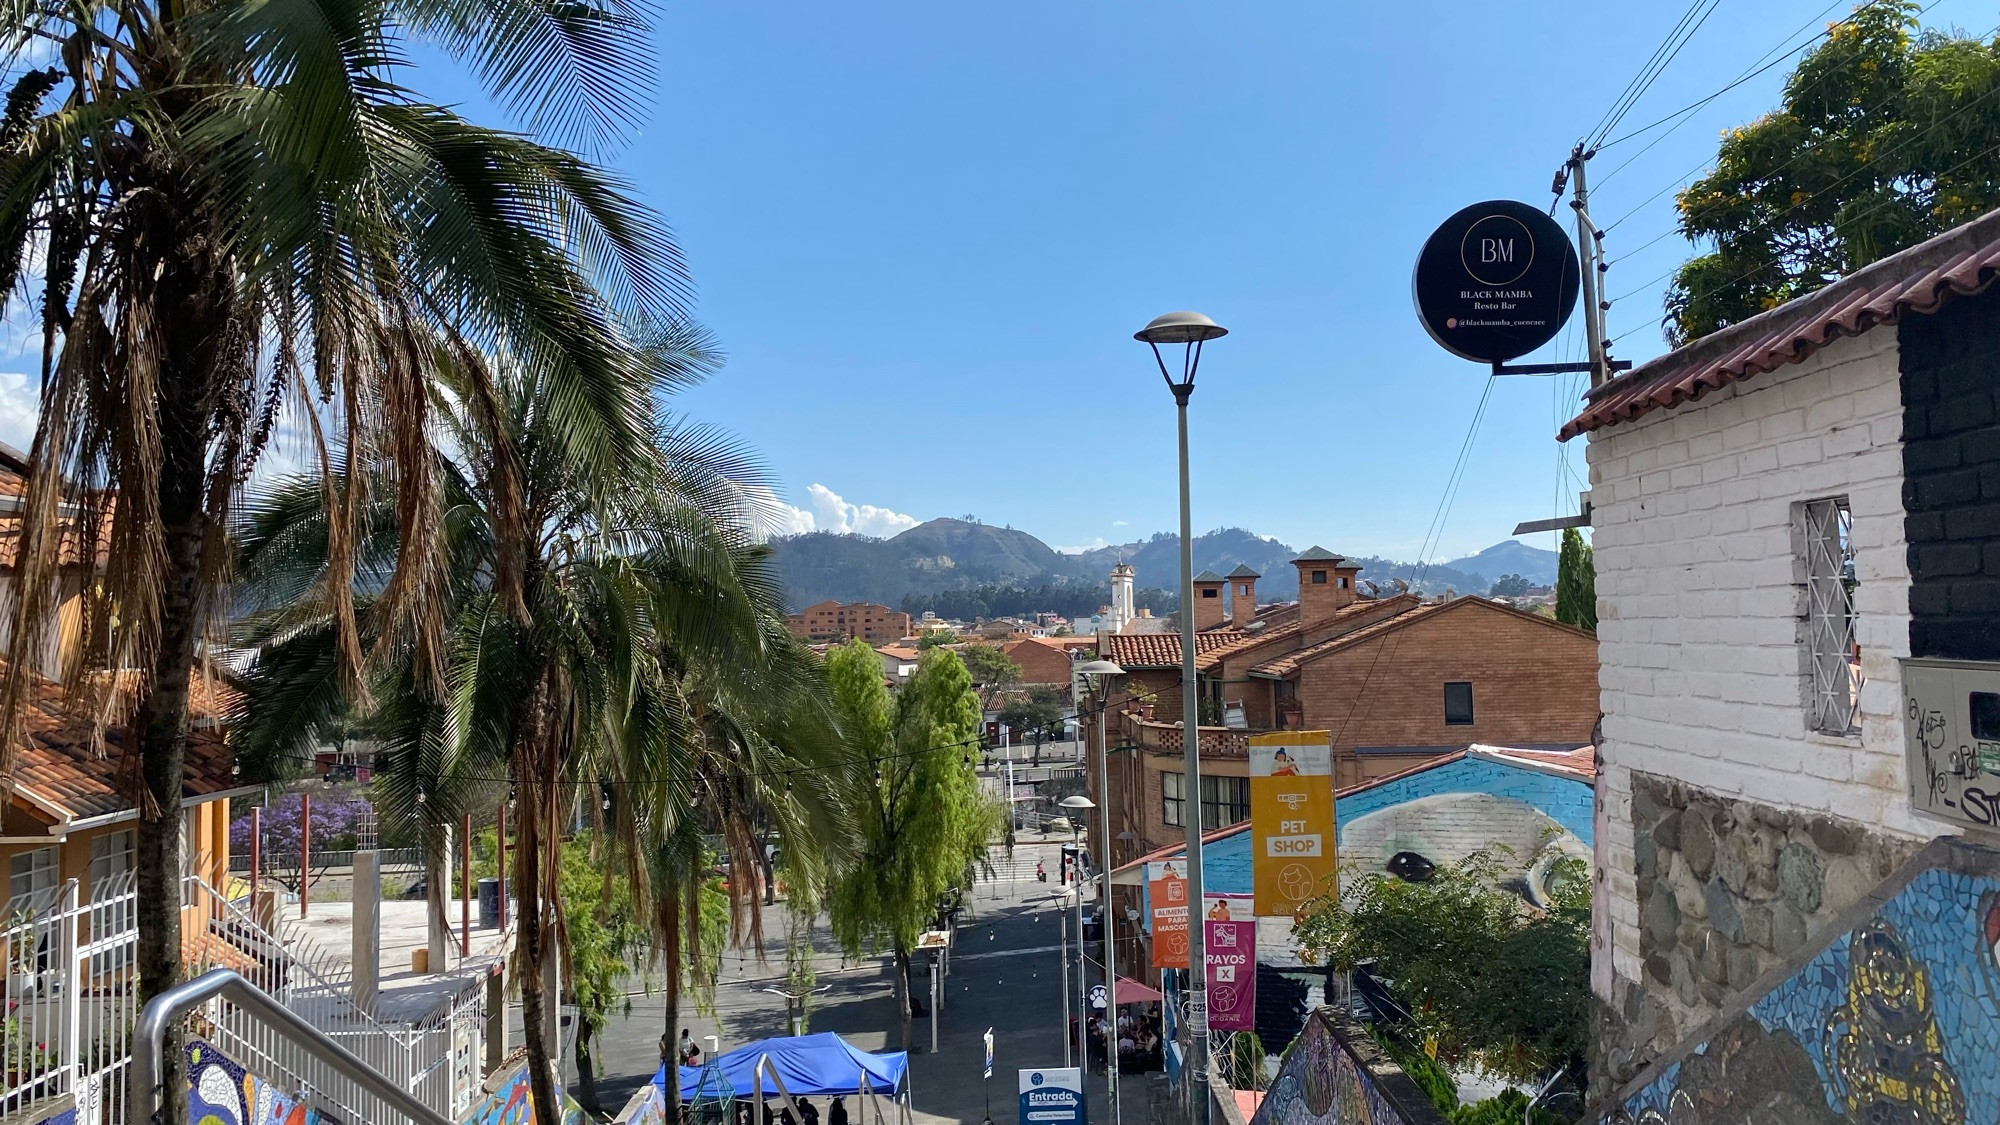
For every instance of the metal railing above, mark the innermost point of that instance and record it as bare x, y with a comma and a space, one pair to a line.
69, 997
227, 991
68, 1002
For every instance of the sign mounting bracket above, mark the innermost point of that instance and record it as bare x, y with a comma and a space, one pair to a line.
1615, 365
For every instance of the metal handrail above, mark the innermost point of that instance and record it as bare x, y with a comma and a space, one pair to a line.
162, 1010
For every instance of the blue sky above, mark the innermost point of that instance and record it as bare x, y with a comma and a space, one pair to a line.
925, 232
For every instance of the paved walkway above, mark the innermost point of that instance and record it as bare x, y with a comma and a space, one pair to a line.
1006, 973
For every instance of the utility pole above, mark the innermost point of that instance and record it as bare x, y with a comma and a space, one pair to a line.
1589, 245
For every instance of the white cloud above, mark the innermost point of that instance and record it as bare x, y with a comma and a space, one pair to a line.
829, 512
20, 407
1093, 545
1121, 523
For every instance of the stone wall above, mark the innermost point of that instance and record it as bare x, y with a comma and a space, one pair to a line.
1727, 890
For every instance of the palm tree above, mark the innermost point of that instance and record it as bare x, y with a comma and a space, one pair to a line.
652, 659
243, 218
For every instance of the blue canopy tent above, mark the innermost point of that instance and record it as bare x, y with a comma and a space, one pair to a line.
808, 1065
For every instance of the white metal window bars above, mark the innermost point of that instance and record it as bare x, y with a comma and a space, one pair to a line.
68, 1003
1833, 679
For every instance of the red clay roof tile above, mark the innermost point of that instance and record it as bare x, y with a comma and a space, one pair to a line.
1959, 262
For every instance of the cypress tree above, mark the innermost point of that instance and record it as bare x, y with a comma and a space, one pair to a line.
1576, 582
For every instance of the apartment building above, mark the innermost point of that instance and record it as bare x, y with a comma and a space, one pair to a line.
839, 621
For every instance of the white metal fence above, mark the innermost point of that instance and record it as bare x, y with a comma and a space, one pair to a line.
70, 1003
71, 973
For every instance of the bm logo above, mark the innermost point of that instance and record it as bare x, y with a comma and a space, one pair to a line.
1497, 250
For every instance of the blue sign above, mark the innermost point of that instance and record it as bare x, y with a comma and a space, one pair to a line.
1052, 1097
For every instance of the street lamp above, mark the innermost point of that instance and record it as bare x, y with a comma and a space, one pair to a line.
1190, 330
792, 1023
1097, 670
1078, 804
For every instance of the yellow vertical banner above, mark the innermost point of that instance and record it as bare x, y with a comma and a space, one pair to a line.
1291, 819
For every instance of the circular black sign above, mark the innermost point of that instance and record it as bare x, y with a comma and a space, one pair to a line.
1496, 281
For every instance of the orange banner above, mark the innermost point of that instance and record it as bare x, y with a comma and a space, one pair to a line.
1166, 894
1291, 819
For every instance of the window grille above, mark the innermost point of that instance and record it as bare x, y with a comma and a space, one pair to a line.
1828, 648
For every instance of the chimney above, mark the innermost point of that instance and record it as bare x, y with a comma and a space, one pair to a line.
1326, 584
1243, 596
1207, 612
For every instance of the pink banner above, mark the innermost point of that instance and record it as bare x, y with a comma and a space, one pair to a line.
1231, 949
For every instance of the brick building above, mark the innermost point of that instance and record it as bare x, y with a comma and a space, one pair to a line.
1042, 662
1785, 512
1396, 680
837, 621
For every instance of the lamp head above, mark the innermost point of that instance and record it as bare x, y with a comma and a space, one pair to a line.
1100, 668
1077, 801
1179, 328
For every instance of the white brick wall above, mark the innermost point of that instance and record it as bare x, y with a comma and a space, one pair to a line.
1698, 607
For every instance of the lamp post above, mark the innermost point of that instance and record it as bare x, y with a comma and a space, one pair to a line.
1190, 330
1078, 804
1097, 670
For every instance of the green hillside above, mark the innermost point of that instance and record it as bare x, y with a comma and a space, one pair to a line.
956, 555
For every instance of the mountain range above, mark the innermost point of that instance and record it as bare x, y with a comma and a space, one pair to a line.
953, 554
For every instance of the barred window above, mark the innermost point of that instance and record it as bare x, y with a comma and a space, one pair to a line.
1827, 646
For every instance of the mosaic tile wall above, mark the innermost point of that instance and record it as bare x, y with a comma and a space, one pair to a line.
221, 1092
1896, 1020
1335, 1075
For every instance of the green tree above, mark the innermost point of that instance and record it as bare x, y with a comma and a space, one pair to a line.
1483, 975
241, 213
1576, 582
1509, 586
993, 671
923, 820
937, 635
1042, 710
647, 659
1884, 138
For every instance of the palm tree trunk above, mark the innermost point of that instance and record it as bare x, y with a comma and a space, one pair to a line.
534, 954
159, 723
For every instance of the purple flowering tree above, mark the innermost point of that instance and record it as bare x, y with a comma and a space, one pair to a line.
338, 816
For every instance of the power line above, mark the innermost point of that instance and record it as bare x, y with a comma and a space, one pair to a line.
1690, 22
1864, 166
1685, 176
1756, 68
1432, 535
786, 772
1993, 150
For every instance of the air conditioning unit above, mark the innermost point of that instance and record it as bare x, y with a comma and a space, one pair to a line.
1951, 730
